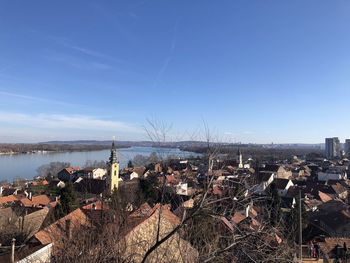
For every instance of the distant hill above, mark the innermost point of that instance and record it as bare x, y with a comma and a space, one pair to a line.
180, 144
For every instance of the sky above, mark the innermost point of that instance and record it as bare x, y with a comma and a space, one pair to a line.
253, 71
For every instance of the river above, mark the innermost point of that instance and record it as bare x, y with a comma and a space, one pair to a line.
26, 165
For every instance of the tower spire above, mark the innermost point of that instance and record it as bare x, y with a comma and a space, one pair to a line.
239, 158
113, 157
113, 174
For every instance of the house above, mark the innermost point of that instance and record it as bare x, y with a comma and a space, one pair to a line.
334, 223
340, 190
264, 179
89, 185
140, 170
182, 189
61, 230
31, 223
330, 175
57, 183
335, 248
282, 185
29, 254
93, 173
279, 170
40, 183
9, 191
134, 175
6, 200
141, 237
333, 173
35, 201
68, 174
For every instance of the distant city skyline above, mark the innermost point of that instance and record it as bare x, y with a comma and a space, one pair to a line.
254, 71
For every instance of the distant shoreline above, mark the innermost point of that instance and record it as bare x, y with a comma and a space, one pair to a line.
49, 149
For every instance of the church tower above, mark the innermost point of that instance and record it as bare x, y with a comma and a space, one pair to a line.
113, 173
239, 158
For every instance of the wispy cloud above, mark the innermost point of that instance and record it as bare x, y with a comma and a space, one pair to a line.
67, 122
37, 99
83, 50
168, 59
76, 62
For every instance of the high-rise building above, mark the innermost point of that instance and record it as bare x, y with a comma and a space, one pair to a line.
333, 148
347, 148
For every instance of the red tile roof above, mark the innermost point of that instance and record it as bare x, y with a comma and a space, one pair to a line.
55, 232
98, 205
39, 200
8, 199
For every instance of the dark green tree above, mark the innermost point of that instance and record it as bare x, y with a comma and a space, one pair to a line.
292, 221
130, 164
150, 189
68, 199
275, 205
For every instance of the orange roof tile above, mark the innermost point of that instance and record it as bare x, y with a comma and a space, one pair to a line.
324, 197
96, 206
8, 199
55, 232
238, 218
42, 200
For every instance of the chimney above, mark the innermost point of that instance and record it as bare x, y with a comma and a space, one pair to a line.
69, 228
13, 250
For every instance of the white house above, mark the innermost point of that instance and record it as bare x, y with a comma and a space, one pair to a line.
182, 189
265, 179
282, 185
94, 173
134, 175
331, 175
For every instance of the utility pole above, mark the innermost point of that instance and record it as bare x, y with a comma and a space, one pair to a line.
13, 250
300, 230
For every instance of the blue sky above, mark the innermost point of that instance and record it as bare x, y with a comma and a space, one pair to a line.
255, 71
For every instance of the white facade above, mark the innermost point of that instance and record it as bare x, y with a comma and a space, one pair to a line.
260, 188
97, 173
182, 189
283, 192
134, 175
324, 176
40, 256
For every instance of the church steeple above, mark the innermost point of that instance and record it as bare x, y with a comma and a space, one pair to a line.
239, 158
113, 173
113, 157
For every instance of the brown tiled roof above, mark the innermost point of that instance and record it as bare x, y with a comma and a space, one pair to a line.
338, 188
72, 169
330, 243
98, 205
55, 232
238, 217
281, 183
39, 200
324, 197
141, 237
8, 199
140, 170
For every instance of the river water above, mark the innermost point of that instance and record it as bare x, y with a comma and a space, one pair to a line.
26, 165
